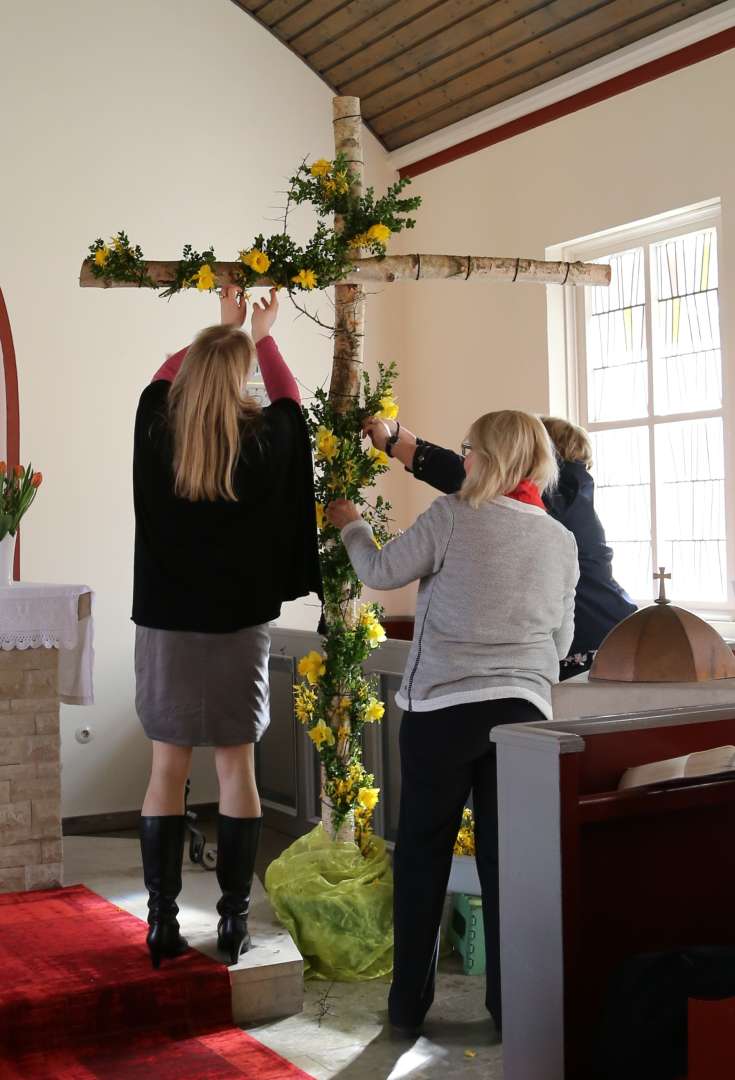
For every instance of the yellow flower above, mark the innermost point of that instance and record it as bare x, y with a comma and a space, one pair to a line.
379, 458
357, 774
101, 256
379, 233
375, 632
321, 733
205, 278
305, 278
304, 702
361, 240
368, 797
321, 519
388, 408
375, 635
375, 711
312, 667
327, 444
320, 167
256, 259
340, 184
377, 543
118, 244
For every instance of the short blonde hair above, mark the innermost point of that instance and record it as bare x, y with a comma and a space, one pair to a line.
508, 446
572, 443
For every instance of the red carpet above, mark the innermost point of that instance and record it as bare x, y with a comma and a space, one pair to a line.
80, 1001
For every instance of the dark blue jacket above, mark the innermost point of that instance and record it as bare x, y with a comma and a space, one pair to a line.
600, 602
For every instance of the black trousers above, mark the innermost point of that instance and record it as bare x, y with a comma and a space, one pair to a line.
445, 756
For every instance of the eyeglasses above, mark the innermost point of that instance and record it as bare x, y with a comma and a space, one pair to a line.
465, 448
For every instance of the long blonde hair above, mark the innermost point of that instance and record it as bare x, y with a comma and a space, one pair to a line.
508, 446
209, 412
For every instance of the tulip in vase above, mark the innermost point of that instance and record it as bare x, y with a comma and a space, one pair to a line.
18, 487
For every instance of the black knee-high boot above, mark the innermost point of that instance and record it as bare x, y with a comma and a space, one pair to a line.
162, 847
237, 846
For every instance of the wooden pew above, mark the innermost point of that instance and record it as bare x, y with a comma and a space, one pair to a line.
591, 875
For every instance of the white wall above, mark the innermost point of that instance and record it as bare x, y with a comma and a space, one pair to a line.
179, 121
470, 348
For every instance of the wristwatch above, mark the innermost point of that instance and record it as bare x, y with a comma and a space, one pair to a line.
393, 439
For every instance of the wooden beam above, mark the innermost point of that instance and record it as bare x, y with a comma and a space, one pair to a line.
400, 268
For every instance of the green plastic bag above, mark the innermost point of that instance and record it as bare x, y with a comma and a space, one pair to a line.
337, 905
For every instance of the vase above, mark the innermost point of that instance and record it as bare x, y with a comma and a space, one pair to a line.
7, 558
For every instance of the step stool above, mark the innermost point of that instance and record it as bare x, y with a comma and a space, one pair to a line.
466, 932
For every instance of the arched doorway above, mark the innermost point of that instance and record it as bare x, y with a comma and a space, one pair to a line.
9, 408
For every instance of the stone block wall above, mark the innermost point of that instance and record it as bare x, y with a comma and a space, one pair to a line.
30, 771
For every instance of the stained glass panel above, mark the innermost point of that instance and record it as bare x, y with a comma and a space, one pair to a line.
617, 376
690, 507
623, 502
687, 366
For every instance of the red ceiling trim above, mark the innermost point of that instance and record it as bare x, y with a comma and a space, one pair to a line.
654, 69
10, 374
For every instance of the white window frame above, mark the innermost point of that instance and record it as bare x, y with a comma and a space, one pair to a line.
568, 367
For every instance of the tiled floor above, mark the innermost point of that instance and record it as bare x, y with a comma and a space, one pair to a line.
343, 1030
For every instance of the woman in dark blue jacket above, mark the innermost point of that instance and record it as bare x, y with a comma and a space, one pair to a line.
600, 602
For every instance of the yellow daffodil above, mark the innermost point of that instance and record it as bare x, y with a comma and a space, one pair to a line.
321, 733
312, 667
320, 167
377, 543
101, 256
327, 444
375, 711
305, 278
388, 408
379, 233
361, 240
379, 458
375, 635
321, 518
256, 259
375, 632
118, 244
357, 774
205, 278
340, 185
304, 702
368, 797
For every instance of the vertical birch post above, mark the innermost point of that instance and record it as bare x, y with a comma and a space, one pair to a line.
349, 327
349, 300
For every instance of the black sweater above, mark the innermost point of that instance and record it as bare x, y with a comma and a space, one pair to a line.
600, 603
217, 567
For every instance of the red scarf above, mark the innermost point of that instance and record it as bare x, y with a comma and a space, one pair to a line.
526, 492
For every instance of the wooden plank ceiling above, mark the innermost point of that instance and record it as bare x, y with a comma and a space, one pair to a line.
420, 65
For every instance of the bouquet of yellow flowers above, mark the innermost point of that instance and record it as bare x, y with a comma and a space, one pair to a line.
18, 487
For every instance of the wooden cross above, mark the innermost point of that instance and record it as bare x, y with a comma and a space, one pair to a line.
350, 294
661, 577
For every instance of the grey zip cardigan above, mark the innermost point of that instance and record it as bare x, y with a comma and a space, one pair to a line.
495, 609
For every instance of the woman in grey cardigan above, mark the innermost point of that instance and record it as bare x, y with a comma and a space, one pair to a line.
494, 615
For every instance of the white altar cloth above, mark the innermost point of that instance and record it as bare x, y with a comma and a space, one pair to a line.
34, 616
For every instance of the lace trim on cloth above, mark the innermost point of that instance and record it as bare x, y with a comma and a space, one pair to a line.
26, 639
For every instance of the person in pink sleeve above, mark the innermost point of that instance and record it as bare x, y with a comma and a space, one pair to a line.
225, 532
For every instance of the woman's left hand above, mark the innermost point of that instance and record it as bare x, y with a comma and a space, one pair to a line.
342, 512
233, 306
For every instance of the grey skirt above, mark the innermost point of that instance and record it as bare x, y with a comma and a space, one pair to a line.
202, 689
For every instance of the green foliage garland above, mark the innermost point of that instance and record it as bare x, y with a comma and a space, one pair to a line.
367, 224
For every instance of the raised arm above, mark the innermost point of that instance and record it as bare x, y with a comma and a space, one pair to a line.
414, 554
441, 469
279, 382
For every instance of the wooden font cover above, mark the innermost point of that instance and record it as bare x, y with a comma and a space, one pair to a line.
663, 643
